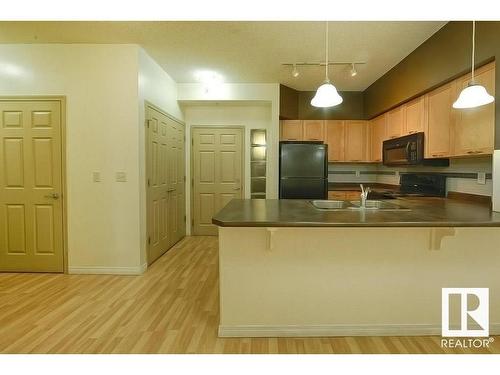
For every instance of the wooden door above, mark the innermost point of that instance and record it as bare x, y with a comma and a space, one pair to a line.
335, 140
474, 128
395, 121
291, 130
31, 212
314, 130
217, 155
414, 112
181, 181
157, 158
439, 122
356, 136
175, 180
378, 126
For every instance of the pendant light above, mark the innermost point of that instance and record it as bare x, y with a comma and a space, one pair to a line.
474, 95
326, 95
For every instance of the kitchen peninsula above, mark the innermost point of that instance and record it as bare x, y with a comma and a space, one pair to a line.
290, 269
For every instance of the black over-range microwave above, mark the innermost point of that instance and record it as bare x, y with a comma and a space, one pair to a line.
408, 150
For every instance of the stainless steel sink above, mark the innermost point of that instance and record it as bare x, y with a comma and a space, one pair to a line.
371, 205
376, 205
330, 204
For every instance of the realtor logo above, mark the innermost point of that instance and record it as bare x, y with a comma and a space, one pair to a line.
470, 309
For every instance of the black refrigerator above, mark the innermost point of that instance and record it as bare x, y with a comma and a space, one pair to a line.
303, 170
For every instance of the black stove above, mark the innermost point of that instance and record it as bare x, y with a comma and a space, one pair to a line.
415, 185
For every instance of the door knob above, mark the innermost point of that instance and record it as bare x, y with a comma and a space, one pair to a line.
170, 190
52, 196
236, 188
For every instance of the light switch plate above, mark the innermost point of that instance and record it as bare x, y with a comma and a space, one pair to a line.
121, 177
358, 173
481, 178
96, 176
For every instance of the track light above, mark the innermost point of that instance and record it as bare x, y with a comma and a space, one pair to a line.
354, 72
295, 71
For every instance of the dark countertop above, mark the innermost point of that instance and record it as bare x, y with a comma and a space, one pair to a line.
425, 212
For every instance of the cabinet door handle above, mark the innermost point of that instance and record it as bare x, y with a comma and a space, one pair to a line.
474, 152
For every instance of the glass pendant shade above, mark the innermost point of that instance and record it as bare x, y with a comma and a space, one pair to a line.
473, 96
326, 96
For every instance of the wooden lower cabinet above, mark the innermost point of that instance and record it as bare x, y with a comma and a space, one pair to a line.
344, 195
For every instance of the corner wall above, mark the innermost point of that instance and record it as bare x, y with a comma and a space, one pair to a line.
159, 89
251, 105
100, 85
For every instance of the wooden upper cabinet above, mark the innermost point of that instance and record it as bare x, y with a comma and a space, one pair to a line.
474, 128
314, 130
395, 123
440, 120
356, 141
291, 130
335, 140
414, 112
378, 126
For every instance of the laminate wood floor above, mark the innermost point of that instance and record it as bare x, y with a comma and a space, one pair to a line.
172, 308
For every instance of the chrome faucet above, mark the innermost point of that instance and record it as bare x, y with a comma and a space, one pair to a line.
364, 195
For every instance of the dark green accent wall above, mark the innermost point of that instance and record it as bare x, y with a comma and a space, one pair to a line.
297, 105
442, 57
289, 103
350, 109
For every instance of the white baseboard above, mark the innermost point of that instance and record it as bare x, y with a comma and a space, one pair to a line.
90, 270
337, 330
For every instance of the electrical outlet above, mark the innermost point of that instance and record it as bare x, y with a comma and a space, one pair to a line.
481, 178
121, 177
358, 174
96, 176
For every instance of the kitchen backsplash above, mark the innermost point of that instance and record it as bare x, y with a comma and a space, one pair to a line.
462, 174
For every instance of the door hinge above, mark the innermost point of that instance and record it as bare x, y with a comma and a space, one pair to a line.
147, 123
149, 182
192, 142
192, 182
149, 240
192, 222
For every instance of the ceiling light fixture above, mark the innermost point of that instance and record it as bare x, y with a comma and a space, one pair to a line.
326, 95
295, 71
354, 72
474, 95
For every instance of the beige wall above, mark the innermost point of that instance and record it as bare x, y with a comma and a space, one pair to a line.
250, 105
105, 86
347, 281
159, 89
